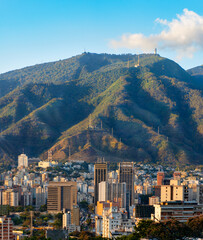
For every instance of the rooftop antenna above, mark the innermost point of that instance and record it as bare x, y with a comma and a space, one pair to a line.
138, 62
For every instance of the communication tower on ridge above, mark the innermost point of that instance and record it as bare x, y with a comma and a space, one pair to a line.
138, 62
50, 156
90, 122
155, 51
128, 66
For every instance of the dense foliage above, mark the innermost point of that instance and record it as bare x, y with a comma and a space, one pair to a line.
168, 230
152, 113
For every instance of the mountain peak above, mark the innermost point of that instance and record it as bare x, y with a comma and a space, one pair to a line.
152, 113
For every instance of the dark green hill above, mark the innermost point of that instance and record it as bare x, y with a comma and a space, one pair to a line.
197, 75
196, 70
101, 105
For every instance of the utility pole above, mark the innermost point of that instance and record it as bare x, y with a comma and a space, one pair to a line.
50, 156
69, 151
90, 121
128, 63
31, 225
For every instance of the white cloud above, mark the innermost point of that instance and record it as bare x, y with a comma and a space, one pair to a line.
184, 35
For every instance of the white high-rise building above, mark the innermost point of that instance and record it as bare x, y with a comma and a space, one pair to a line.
116, 223
22, 161
66, 219
69, 220
103, 191
113, 191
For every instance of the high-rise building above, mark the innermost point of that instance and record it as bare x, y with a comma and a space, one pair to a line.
174, 193
45, 177
75, 215
116, 223
66, 218
26, 198
61, 195
103, 191
40, 197
126, 174
100, 174
160, 178
113, 191
71, 219
6, 229
10, 197
22, 161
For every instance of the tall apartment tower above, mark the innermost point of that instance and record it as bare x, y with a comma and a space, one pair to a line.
114, 192
160, 178
75, 215
66, 219
126, 174
61, 195
6, 229
10, 197
40, 197
100, 175
23, 161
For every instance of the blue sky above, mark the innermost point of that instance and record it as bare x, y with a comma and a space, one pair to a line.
37, 31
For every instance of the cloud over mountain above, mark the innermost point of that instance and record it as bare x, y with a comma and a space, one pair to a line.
184, 35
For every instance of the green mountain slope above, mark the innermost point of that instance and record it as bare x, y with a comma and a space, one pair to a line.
197, 75
100, 105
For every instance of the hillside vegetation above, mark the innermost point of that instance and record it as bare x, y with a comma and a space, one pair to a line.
100, 105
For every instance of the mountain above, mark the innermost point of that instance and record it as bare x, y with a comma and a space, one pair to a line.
197, 74
101, 105
196, 71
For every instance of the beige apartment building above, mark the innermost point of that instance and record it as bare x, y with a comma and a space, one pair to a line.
174, 193
10, 197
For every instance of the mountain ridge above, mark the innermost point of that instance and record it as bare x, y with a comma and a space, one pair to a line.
145, 111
